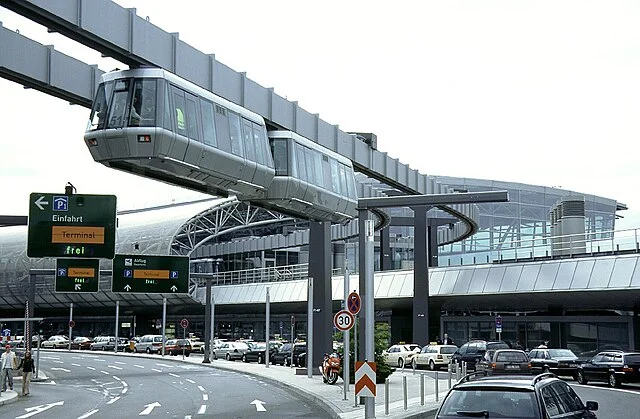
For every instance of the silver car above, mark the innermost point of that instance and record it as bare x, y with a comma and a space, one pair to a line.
230, 350
56, 342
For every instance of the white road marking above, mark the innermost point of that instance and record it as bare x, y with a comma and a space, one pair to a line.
115, 399
58, 362
205, 397
112, 388
91, 368
50, 357
156, 370
259, 405
100, 360
149, 408
124, 383
164, 365
203, 409
89, 413
105, 372
117, 378
37, 409
124, 390
121, 363
138, 366
174, 375
76, 365
114, 367
60, 369
191, 381
201, 388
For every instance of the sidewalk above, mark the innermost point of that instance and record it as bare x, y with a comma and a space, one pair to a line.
332, 396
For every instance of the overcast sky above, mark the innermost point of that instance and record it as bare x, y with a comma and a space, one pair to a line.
538, 92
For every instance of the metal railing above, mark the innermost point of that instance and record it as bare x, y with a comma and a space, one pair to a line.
256, 275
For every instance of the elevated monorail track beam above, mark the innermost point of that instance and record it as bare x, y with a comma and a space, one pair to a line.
43, 68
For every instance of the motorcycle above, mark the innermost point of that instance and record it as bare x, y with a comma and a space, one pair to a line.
330, 368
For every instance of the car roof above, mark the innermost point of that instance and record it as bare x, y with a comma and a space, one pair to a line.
519, 382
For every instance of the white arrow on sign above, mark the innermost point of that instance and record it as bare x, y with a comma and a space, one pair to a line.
149, 408
127, 287
39, 203
60, 369
259, 405
174, 288
78, 286
37, 409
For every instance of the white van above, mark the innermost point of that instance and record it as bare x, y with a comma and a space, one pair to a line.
150, 344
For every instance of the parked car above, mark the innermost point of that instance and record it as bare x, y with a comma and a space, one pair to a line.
257, 352
151, 344
230, 351
81, 342
612, 367
401, 354
474, 350
178, 346
300, 354
103, 343
504, 361
434, 356
539, 397
197, 345
558, 361
55, 342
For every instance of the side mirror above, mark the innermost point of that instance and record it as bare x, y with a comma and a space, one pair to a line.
591, 405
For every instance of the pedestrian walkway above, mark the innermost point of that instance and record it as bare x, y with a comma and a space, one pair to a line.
332, 396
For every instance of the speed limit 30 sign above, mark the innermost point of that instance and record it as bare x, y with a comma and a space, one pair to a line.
343, 320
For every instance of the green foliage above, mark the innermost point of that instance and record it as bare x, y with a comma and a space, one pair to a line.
381, 338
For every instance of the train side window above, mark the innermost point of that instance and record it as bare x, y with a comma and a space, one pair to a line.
247, 141
166, 120
192, 117
326, 172
302, 172
222, 128
335, 177
317, 168
280, 157
181, 113
308, 162
260, 137
235, 132
99, 112
343, 180
208, 129
259, 142
118, 108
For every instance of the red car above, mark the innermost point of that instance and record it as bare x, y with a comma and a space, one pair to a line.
81, 342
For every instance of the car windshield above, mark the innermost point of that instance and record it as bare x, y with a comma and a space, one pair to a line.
448, 349
632, 359
565, 353
496, 402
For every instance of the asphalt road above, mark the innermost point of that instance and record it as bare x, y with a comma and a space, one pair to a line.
90, 384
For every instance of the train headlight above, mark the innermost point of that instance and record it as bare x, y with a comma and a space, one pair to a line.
92, 142
145, 138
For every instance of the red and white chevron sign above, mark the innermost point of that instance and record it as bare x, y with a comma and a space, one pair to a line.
365, 379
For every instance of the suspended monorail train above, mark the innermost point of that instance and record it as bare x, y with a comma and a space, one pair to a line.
154, 124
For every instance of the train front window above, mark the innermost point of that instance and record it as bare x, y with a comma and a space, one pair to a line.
280, 157
118, 108
143, 104
98, 117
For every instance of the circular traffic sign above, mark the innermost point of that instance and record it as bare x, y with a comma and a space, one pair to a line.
184, 323
71, 323
343, 320
354, 303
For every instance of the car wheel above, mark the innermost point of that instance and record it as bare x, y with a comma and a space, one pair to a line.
149, 351
227, 357
614, 381
432, 365
580, 377
400, 362
244, 358
260, 359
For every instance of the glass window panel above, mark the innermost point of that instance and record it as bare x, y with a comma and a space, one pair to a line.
384, 283
449, 281
635, 280
192, 118
260, 137
582, 274
335, 176
397, 283
208, 128
601, 273
528, 277
99, 111
302, 171
180, 111
529, 197
280, 156
622, 272
167, 121
565, 275
222, 128
478, 280
463, 281
247, 142
258, 143
308, 162
343, 180
547, 276
118, 107
326, 172
435, 281
317, 168
510, 279
407, 286
494, 279
235, 135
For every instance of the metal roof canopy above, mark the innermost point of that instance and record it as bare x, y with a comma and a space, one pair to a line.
420, 205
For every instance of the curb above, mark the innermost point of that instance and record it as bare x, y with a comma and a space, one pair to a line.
8, 397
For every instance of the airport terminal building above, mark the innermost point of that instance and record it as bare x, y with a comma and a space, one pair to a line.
582, 299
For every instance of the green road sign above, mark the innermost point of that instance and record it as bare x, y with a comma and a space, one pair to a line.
150, 274
78, 226
77, 275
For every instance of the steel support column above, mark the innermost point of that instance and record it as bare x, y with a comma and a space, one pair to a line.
320, 271
386, 261
420, 275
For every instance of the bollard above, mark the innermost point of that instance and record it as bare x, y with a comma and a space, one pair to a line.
386, 396
436, 386
464, 369
457, 372
421, 389
414, 364
449, 374
404, 390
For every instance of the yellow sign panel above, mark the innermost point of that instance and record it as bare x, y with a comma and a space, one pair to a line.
150, 274
81, 273
73, 234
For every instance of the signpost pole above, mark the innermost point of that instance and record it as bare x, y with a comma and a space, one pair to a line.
184, 337
309, 331
346, 350
293, 322
164, 319
70, 320
115, 349
211, 326
266, 328
208, 338
369, 353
